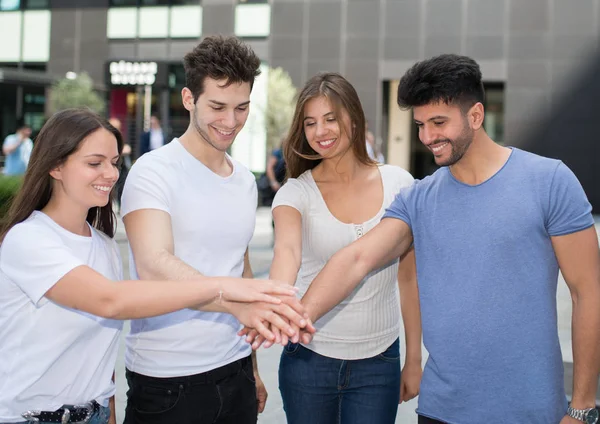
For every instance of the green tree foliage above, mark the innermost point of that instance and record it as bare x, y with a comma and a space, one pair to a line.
281, 99
76, 92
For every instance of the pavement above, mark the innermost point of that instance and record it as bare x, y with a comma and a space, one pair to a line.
261, 254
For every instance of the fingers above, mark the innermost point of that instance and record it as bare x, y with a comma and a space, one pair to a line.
263, 330
251, 335
260, 341
280, 288
288, 312
245, 331
276, 320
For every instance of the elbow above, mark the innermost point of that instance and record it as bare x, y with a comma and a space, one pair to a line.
110, 305
146, 266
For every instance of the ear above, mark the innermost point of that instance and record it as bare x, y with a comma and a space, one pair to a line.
476, 115
56, 173
188, 99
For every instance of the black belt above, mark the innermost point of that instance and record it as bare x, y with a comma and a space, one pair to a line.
68, 414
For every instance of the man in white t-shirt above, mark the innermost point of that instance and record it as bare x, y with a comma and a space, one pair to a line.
189, 208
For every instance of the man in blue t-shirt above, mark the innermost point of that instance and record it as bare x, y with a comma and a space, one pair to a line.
17, 149
491, 230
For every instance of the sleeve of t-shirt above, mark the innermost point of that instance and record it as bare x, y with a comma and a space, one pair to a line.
291, 194
35, 260
146, 187
9, 141
569, 210
399, 209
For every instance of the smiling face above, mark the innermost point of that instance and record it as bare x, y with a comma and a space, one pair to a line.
88, 175
445, 130
220, 112
326, 132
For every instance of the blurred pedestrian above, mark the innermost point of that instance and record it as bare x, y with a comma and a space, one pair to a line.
125, 162
491, 229
372, 148
17, 149
153, 138
60, 294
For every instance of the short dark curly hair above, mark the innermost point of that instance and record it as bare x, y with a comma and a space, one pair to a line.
220, 57
447, 78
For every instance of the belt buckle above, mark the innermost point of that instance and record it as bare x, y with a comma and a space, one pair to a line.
89, 407
31, 416
65, 416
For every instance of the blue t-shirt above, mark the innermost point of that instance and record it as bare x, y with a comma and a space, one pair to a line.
487, 277
16, 162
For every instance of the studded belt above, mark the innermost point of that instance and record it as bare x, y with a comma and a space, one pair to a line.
68, 414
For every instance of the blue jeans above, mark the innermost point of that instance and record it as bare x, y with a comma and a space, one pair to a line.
320, 390
99, 417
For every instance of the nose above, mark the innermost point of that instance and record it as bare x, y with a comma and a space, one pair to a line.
427, 135
229, 119
111, 173
321, 129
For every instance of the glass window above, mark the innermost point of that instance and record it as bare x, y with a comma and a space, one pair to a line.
121, 3
252, 1
185, 2
36, 37
186, 22
36, 4
10, 4
494, 112
154, 2
154, 22
253, 20
122, 22
10, 34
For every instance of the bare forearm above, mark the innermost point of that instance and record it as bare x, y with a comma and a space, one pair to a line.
411, 316
334, 283
285, 266
141, 298
165, 266
254, 362
586, 355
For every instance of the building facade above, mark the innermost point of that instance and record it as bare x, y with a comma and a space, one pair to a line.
529, 52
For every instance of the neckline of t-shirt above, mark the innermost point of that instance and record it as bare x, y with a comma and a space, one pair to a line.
510, 157
352, 224
195, 162
62, 229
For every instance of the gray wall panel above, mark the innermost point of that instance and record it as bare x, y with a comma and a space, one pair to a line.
362, 49
121, 50
152, 50
218, 18
530, 15
287, 18
486, 17
573, 17
314, 67
401, 48
325, 18
436, 45
402, 18
294, 67
363, 18
443, 17
327, 48
528, 46
286, 48
528, 74
485, 47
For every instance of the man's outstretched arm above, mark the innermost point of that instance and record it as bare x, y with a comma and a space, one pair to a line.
389, 240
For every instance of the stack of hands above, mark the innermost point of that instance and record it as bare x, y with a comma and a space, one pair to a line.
269, 310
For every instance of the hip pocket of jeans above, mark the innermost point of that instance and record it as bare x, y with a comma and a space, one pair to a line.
291, 348
391, 354
156, 400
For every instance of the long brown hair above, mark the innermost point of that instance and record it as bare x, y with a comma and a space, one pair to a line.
299, 156
59, 138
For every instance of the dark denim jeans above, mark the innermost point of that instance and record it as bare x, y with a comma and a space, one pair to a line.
321, 390
99, 417
427, 420
226, 395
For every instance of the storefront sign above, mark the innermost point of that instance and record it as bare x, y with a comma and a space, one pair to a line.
132, 73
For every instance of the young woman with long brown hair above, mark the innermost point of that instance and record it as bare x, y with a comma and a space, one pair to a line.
60, 299
350, 371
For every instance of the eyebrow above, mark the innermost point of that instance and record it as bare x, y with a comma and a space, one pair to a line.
98, 155
225, 104
433, 118
310, 117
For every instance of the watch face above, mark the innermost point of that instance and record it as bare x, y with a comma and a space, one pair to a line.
592, 417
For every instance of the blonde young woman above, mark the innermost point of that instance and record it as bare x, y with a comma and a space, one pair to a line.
350, 371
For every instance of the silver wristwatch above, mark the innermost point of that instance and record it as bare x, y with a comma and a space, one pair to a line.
588, 416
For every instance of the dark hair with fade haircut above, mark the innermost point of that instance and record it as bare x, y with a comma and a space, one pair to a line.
447, 78
220, 57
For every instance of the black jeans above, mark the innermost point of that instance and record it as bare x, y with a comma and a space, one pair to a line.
226, 395
425, 420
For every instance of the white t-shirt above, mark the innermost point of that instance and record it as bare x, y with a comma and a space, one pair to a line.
367, 322
52, 355
212, 220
